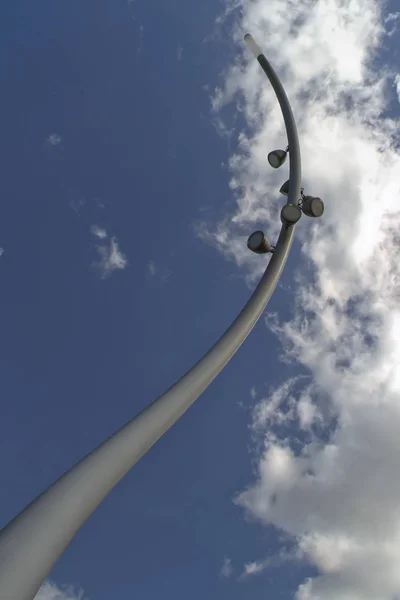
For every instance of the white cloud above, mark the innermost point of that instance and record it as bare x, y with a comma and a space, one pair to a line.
54, 139
226, 569
393, 19
157, 273
397, 86
256, 567
50, 591
307, 411
151, 268
99, 232
111, 258
77, 202
253, 568
1, 251
179, 53
328, 442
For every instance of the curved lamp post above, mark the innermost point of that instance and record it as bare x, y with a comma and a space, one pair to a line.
33, 541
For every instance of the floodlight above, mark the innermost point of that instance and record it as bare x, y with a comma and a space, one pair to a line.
290, 214
285, 188
259, 243
276, 158
312, 206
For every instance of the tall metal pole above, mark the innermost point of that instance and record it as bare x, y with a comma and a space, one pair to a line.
33, 541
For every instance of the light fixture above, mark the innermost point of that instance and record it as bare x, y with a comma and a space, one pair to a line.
285, 188
276, 158
290, 214
259, 243
312, 206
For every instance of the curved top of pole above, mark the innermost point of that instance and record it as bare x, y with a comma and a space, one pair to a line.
33, 541
291, 129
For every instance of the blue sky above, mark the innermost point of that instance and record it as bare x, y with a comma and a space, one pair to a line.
108, 128
138, 156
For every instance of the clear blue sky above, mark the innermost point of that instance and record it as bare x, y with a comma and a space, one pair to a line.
106, 121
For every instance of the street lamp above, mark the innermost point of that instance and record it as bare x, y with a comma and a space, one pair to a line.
276, 158
285, 188
259, 243
312, 206
34, 540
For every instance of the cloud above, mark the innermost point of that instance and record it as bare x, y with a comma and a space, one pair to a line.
151, 268
226, 569
77, 203
1, 251
54, 139
179, 53
50, 591
397, 86
328, 443
253, 568
393, 19
99, 232
256, 567
157, 273
111, 258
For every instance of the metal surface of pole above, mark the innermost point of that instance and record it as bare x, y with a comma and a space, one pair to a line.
33, 541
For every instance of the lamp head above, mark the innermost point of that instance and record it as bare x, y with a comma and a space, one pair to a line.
312, 206
290, 214
285, 188
259, 243
276, 158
